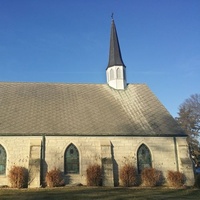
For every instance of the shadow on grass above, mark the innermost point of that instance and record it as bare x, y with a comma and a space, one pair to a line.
104, 193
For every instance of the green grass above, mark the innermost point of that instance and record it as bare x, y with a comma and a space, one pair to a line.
104, 193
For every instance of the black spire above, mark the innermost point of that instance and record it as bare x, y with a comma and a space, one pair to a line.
115, 57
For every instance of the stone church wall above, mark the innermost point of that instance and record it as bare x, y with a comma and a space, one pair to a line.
18, 153
164, 151
167, 154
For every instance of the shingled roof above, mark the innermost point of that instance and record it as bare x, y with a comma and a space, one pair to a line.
82, 109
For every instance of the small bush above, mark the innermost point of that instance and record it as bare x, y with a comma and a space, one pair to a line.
151, 177
197, 181
175, 178
128, 175
54, 178
18, 177
94, 175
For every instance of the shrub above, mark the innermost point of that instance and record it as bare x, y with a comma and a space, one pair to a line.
151, 177
94, 175
128, 175
54, 178
197, 181
175, 178
18, 177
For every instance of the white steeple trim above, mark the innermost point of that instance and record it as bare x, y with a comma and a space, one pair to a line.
116, 77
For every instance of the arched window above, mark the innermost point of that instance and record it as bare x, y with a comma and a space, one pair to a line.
143, 158
119, 74
71, 160
111, 74
2, 160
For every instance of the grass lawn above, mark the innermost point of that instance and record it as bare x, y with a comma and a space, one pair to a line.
105, 193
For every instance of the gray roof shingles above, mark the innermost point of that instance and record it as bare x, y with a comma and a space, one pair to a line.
82, 109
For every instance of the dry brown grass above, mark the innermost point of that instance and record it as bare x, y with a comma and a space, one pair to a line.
18, 177
94, 175
175, 178
54, 178
151, 177
128, 175
103, 193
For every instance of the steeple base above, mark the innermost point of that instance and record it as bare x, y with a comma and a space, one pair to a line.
116, 77
118, 85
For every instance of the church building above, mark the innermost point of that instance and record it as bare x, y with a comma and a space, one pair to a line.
71, 126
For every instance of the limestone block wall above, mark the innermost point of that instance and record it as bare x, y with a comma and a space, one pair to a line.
89, 153
17, 150
165, 155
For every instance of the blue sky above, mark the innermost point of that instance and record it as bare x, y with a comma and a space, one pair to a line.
68, 41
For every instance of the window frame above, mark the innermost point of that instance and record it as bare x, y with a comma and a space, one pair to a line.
112, 74
146, 161
119, 73
3, 161
71, 162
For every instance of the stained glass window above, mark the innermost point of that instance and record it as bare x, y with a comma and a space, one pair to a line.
2, 160
71, 160
143, 158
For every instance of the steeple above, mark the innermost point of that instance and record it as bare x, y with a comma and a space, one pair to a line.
115, 70
115, 57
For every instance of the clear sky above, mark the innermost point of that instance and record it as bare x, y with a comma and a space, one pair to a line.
68, 41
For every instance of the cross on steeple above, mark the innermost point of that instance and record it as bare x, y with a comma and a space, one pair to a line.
112, 16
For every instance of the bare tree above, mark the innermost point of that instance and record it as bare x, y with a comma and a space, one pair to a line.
189, 120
